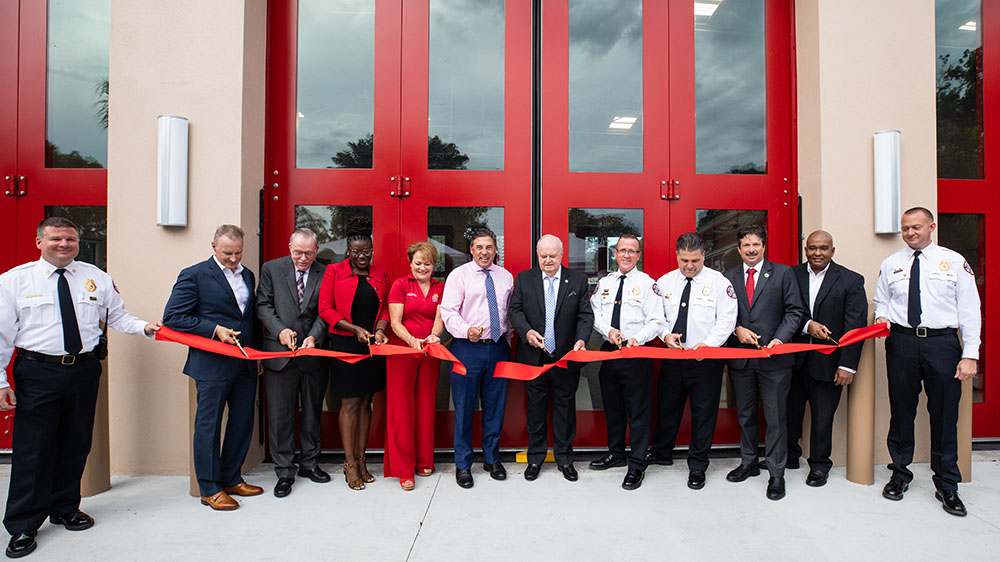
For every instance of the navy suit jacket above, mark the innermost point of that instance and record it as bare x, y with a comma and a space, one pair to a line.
201, 300
776, 312
841, 305
574, 319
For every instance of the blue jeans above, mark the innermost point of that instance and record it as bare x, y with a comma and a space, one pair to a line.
480, 359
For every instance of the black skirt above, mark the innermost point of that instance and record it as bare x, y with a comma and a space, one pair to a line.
351, 380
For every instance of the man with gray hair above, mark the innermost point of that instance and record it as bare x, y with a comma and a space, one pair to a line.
550, 310
288, 309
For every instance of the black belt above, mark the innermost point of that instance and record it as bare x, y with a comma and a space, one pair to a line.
485, 340
922, 332
60, 359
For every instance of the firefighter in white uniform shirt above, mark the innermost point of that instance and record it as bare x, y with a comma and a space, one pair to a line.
627, 313
699, 305
928, 294
50, 311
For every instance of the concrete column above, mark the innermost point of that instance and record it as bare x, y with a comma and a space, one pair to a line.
97, 474
204, 61
855, 75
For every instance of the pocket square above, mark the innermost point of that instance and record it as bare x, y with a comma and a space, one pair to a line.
571, 293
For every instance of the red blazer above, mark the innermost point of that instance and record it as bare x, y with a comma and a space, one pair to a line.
336, 294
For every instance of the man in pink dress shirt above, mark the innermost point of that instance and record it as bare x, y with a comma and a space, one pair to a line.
474, 310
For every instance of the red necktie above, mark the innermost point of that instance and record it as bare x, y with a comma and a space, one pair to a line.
750, 273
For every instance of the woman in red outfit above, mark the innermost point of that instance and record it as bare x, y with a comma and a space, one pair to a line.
414, 311
352, 301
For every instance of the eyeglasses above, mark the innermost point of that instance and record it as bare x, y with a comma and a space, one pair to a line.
626, 251
298, 254
360, 253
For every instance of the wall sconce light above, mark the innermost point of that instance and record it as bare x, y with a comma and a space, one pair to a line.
886, 152
171, 170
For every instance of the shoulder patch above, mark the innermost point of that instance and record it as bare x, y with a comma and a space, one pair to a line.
968, 268
656, 290
731, 292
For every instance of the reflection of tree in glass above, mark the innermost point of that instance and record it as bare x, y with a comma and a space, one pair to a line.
959, 123
440, 155
92, 220
55, 158
102, 90
583, 224
333, 225
748, 168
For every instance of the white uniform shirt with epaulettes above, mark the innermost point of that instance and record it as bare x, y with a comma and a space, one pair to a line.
29, 309
712, 306
949, 297
641, 313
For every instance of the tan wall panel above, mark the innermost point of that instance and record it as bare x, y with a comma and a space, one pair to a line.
187, 58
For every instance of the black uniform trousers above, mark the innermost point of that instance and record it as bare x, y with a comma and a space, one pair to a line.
53, 430
823, 398
679, 379
770, 386
932, 361
626, 389
302, 379
562, 383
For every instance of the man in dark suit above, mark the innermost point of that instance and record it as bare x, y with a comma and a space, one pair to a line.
288, 309
770, 313
835, 302
550, 310
214, 299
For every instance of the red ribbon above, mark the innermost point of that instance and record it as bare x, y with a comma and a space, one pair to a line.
435, 350
519, 371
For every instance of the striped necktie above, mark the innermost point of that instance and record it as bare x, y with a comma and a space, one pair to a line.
491, 301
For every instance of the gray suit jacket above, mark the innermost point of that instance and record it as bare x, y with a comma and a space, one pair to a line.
278, 308
776, 311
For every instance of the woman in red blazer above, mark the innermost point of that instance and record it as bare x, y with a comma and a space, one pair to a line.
352, 300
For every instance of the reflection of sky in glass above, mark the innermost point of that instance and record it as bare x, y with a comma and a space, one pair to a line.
730, 88
958, 30
466, 79
952, 35
605, 83
78, 40
336, 60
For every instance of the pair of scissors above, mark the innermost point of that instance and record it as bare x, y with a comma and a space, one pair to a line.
238, 344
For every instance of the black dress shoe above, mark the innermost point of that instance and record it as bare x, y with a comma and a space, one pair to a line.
816, 478
607, 461
497, 471
22, 544
74, 520
776, 488
653, 458
633, 479
463, 477
950, 502
316, 474
532, 471
569, 473
696, 479
894, 489
283, 487
742, 472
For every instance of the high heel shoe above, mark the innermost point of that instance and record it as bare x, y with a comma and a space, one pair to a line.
365, 475
356, 484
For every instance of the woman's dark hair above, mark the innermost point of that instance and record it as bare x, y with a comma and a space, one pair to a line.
359, 229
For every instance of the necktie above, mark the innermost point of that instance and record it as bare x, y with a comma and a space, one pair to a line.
913, 302
616, 313
550, 315
491, 301
300, 285
71, 330
681, 325
750, 273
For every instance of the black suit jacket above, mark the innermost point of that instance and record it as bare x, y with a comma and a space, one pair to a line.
574, 318
841, 305
776, 312
201, 300
278, 308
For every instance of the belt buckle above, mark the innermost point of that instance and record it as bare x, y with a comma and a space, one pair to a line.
67, 360
921, 332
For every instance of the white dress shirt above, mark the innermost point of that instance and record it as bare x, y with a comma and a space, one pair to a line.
949, 297
236, 282
712, 306
29, 309
815, 282
641, 312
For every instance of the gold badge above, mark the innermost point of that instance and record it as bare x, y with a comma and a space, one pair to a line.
706, 290
943, 266
635, 290
90, 285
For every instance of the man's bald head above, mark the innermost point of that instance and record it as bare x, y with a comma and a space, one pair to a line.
819, 250
818, 235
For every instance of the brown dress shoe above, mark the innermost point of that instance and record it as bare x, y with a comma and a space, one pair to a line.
220, 502
244, 489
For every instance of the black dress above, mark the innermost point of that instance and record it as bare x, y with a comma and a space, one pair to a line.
350, 380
